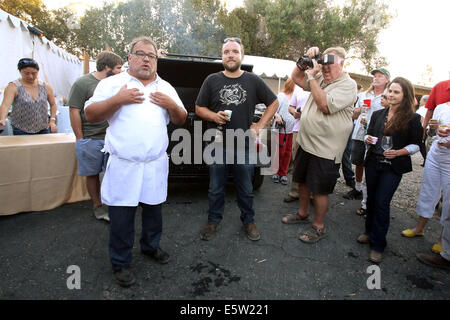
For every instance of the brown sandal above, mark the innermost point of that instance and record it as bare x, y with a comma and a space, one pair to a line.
295, 218
314, 234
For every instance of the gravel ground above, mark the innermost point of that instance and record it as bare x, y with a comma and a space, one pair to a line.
405, 197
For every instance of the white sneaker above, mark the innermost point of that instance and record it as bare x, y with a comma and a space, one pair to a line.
101, 213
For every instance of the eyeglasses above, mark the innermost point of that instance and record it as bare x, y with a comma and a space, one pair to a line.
142, 54
238, 40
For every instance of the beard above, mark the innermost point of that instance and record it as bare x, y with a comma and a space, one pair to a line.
109, 73
232, 68
141, 74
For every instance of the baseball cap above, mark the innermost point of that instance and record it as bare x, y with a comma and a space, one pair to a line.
383, 71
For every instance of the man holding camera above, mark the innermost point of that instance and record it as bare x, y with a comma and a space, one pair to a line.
325, 126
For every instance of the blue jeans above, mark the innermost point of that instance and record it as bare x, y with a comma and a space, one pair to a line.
18, 132
382, 182
243, 179
347, 170
121, 232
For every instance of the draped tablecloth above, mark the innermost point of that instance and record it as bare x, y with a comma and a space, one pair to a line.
39, 172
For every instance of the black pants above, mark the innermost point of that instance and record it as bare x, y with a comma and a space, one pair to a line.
121, 236
382, 182
423, 149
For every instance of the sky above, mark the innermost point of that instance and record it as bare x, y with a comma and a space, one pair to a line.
416, 38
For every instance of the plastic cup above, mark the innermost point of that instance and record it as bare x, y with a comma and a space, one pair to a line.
374, 140
228, 112
367, 102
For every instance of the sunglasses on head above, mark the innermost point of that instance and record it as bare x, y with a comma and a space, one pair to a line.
238, 40
27, 61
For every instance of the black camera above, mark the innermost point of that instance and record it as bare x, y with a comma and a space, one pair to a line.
304, 62
281, 125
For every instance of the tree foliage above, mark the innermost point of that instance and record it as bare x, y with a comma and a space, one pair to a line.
274, 28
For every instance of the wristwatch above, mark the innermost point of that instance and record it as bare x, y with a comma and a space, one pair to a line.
309, 79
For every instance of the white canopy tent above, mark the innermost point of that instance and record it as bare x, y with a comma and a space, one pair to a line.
57, 67
270, 68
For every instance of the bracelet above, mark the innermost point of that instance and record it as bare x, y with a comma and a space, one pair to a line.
309, 79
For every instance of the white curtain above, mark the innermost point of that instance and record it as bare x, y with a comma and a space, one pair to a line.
56, 66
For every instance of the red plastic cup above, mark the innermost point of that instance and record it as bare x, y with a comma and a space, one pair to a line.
367, 102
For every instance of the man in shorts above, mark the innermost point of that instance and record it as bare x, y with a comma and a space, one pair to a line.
90, 137
325, 126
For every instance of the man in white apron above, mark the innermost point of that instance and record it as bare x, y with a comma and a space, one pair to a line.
138, 105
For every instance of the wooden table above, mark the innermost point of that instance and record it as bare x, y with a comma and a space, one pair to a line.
39, 172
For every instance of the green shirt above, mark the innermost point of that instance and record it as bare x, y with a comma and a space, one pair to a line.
81, 91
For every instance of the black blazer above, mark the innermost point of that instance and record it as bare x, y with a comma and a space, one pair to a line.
412, 135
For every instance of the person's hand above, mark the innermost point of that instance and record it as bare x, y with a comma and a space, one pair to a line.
2, 122
162, 100
297, 114
129, 96
278, 118
434, 123
315, 70
221, 117
369, 140
53, 127
390, 154
312, 52
255, 129
444, 144
443, 132
357, 112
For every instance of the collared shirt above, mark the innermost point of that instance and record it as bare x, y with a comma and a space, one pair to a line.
136, 140
136, 132
326, 135
359, 131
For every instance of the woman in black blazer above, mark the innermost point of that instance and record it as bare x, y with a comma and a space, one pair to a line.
401, 123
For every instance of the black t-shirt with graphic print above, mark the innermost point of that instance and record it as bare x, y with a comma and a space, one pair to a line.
240, 95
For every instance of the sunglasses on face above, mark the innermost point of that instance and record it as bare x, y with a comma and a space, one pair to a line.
238, 40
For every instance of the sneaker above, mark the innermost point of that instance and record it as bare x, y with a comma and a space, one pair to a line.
124, 277
276, 178
284, 180
208, 232
252, 232
101, 213
353, 195
158, 255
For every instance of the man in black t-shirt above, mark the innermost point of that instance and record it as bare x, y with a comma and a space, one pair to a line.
238, 91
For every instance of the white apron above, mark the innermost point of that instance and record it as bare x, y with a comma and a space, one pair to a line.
136, 139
